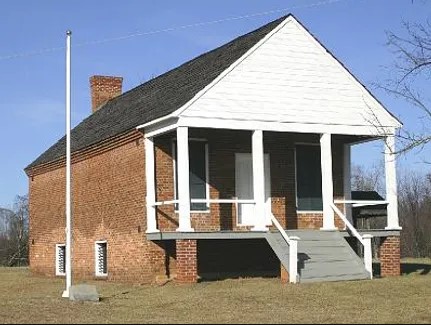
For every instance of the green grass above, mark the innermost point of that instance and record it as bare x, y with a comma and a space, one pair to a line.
28, 299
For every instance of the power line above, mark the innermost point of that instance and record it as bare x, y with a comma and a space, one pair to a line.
170, 29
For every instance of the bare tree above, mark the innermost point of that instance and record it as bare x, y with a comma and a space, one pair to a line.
14, 240
410, 75
415, 214
368, 178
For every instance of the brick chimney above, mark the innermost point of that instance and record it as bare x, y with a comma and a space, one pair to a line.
104, 88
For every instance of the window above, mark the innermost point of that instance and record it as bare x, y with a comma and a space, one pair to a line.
60, 259
198, 174
308, 178
101, 255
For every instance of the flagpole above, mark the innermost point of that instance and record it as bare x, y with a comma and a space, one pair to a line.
66, 292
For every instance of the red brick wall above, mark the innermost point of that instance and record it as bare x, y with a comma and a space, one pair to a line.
390, 256
108, 204
187, 263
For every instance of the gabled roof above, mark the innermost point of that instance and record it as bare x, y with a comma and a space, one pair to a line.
155, 98
289, 82
187, 92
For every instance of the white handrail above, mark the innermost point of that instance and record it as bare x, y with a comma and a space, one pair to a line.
364, 240
361, 203
348, 224
165, 202
280, 228
293, 250
223, 201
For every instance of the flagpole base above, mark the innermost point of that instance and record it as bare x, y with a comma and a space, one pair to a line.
65, 294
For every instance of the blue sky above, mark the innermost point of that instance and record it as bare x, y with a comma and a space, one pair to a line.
32, 87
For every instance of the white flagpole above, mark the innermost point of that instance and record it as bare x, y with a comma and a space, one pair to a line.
68, 175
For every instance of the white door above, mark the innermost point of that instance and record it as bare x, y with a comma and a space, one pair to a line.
244, 189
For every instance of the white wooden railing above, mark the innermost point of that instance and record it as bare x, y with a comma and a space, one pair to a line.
365, 240
292, 241
360, 203
207, 201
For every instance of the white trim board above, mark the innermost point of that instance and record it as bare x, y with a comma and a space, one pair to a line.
218, 123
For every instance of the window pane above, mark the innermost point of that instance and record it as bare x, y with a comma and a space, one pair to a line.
197, 174
308, 178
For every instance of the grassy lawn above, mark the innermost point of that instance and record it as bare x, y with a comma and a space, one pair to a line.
407, 299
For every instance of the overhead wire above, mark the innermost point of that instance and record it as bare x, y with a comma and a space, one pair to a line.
165, 30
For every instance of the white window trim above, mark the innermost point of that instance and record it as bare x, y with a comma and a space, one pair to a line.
96, 260
57, 262
296, 178
207, 172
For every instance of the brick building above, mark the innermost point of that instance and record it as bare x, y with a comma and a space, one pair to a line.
236, 163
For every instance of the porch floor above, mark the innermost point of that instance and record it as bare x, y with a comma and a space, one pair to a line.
174, 235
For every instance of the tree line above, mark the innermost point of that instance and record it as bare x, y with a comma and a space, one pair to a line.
14, 233
414, 206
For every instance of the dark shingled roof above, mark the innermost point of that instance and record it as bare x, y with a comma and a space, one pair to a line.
369, 210
155, 98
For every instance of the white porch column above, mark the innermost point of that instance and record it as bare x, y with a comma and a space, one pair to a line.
258, 181
151, 189
327, 181
391, 183
347, 182
183, 179
368, 254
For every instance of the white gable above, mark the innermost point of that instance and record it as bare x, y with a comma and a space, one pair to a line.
288, 77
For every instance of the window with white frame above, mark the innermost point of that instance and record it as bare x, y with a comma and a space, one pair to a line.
60, 259
308, 178
198, 174
101, 258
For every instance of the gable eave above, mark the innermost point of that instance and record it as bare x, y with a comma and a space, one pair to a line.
182, 109
396, 121
390, 121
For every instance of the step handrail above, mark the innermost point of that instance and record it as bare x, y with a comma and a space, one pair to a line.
365, 240
347, 222
280, 229
293, 250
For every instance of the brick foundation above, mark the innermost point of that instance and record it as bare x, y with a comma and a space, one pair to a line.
390, 264
187, 261
284, 275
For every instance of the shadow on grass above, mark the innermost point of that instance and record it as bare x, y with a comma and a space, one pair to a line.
406, 268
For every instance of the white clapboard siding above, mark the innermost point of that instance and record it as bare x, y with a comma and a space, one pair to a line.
289, 77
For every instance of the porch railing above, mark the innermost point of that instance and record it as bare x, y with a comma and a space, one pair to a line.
365, 240
208, 201
292, 241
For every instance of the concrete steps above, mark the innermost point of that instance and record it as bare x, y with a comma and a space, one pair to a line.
322, 256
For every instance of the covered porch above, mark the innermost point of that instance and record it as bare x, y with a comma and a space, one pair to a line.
214, 183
